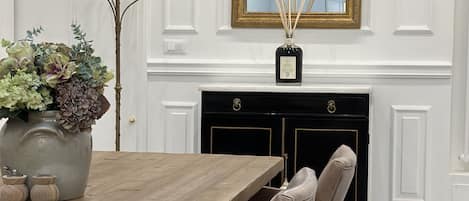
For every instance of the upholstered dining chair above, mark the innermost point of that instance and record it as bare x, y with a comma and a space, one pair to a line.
333, 183
335, 179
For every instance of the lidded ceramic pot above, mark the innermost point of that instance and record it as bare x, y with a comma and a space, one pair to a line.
44, 188
14, 188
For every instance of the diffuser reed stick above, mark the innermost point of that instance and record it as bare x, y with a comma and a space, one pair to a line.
310, 5
299, 13
285, 11
289, 16
282, 15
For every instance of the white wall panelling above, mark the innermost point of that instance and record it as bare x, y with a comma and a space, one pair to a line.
319, 45
465, 155
410, 145
466, 145
459, 186
460, 192
180, 127
180, 16
7, 28
459, 91
223, 15
367, 19
351, 69
414, 16
134, 135
7, 21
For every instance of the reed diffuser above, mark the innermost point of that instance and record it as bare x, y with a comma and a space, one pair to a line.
289, 57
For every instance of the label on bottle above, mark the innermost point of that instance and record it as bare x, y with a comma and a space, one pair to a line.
287, 67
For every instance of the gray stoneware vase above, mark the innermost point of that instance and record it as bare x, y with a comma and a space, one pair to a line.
41, 147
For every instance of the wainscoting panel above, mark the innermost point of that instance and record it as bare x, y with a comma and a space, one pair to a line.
180, 127
367, 12
460, 192
410, 144
223, 15
465, 155
180, 16
414, 16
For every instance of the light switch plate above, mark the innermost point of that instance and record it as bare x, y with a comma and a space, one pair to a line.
175, 46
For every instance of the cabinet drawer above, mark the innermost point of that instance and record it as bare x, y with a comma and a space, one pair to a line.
285, 103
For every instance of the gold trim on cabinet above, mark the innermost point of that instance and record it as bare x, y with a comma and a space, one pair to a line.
240, 128
355, 131
351, 19
283, 173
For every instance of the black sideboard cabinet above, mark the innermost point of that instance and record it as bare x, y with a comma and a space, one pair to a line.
306, 127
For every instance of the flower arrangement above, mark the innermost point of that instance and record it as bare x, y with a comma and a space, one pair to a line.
53, 76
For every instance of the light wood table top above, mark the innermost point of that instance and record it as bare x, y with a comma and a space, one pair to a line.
178, 177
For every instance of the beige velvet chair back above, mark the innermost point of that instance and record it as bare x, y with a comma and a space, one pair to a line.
337, 176
302, 187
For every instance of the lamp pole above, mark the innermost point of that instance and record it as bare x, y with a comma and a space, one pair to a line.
119, 16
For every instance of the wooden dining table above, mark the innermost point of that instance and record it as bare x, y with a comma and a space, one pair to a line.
178, 177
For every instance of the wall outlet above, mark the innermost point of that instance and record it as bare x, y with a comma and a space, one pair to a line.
174, 46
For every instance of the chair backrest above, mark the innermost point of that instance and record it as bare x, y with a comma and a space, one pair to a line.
337, 176
302, 187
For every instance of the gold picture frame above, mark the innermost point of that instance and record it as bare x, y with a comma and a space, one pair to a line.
351, 19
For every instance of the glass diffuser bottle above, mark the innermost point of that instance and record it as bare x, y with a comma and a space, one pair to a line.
289, 57
288, 62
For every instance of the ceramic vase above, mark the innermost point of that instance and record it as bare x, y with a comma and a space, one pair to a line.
13, 188
44, 189
41, 147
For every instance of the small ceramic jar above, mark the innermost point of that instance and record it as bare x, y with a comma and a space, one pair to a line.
44, 188
14, 188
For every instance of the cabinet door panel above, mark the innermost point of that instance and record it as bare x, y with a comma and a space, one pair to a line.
244, 135
310, 142
241, 140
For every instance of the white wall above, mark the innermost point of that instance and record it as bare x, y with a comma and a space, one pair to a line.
17, 16
459, 100
6, 21
460, 105
6, 27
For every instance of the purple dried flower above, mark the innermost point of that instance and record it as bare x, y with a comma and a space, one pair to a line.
80, 105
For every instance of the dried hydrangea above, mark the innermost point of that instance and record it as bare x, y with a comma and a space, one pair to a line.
23, 91
79, 105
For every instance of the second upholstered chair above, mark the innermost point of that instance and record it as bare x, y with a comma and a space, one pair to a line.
337, 176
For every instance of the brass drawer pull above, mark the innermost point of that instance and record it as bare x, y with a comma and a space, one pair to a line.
236, 104
331, 108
